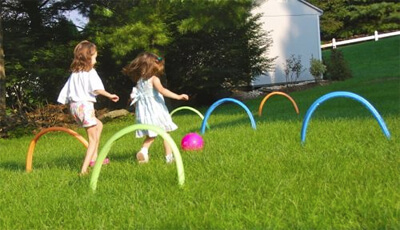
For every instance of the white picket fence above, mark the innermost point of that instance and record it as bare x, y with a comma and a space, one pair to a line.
375, 37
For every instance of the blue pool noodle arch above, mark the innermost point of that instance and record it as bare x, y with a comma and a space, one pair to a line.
219, 102
342, 94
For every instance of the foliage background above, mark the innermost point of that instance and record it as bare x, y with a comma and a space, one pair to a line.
343, 19
211, 47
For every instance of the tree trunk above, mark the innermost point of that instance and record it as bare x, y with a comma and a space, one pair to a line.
2, 75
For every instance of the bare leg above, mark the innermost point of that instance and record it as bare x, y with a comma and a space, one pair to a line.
167, 148
99, 129
93, 142
148, 142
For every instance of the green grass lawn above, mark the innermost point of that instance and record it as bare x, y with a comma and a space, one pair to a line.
345, 176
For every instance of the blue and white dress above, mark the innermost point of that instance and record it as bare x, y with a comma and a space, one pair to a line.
150, 108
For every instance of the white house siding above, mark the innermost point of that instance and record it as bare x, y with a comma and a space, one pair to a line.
294, 27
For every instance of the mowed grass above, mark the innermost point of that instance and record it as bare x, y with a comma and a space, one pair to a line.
345, 176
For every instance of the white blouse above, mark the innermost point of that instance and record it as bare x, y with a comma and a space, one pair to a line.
80, 87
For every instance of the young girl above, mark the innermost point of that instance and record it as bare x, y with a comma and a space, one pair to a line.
146, 70
80, 93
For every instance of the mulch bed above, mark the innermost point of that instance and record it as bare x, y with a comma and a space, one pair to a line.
47, 116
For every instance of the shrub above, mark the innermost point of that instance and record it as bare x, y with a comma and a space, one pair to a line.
317, 68
337, 68
293, 69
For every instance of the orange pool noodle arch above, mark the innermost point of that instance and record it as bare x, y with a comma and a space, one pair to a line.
29, 156
277, 93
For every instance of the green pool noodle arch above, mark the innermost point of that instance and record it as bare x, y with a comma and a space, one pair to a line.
106, 148
191, 109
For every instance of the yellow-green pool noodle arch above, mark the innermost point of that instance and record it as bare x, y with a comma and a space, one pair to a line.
104, 151
191, 109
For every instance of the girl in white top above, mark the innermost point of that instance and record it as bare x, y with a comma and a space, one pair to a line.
146, 70
80, 93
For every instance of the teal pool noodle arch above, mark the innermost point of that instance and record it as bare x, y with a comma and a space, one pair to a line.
221, 101
351, 95
106, 148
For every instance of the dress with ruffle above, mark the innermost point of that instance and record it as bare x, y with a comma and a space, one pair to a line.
150, 108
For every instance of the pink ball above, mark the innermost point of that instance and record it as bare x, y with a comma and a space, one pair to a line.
192, 141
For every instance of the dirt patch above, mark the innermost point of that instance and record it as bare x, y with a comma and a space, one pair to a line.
245, 95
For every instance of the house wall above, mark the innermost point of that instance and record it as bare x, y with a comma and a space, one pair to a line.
294, 29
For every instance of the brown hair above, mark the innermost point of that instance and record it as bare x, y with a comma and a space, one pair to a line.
145, 65
83, 53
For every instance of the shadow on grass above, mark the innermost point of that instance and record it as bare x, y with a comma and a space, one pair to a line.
224, 108
13, 166
75, 163
245, 121
62, 162
218, 124
122, 156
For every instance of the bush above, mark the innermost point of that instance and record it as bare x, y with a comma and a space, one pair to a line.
293, 69
317, 68
337, 68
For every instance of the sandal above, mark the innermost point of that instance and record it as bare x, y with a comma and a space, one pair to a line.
105, 162
169, 158
142, 158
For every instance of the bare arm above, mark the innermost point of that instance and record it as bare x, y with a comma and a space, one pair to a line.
167, 93
112, 97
